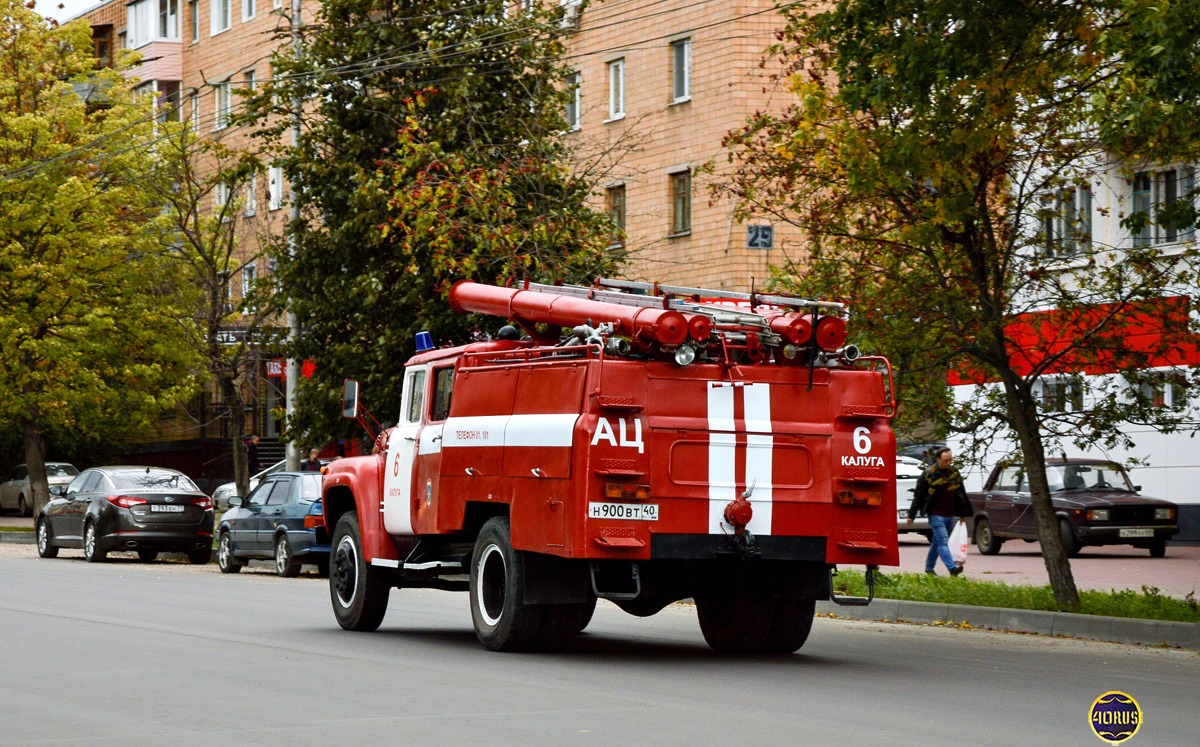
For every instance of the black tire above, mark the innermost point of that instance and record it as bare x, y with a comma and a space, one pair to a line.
323, 567
1070, 544
502, 620
790, 626
91, 547
286, 564
147, 556
735, 615
1158, 548
928, 535
202, 556
225, 559
986, 540
359, 592
45, 548
586, 617
23, 508
561, 623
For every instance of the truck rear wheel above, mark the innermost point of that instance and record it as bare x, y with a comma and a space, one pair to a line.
562, 622
502, 620
790, 626
359, 592
735, 616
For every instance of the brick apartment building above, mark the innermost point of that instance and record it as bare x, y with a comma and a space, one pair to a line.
659, 83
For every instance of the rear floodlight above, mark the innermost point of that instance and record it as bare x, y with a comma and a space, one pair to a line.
424, 342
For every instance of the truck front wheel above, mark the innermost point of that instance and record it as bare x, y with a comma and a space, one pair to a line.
503, 622
359, 592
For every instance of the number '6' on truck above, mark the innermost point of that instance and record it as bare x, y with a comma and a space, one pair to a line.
678, 443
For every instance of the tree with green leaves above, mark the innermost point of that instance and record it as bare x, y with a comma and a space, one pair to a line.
216, 230
90, 301
940, 160
431, 151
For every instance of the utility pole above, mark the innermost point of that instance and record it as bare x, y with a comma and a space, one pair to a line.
293, 365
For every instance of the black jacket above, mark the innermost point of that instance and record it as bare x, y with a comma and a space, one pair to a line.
920, 501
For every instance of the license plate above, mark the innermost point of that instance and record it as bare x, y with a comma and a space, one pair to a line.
635, 511
1135, 533
164, 508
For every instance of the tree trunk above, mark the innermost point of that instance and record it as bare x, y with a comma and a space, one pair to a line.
237, 433
35, 460
1058, 566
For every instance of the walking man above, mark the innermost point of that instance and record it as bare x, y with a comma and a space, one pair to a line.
940, 495
252, 455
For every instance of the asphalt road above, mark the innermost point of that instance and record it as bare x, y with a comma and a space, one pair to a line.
166, 653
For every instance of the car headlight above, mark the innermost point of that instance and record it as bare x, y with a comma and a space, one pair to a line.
1164, 513
1098, 514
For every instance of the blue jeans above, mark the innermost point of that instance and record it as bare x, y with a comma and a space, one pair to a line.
940, 545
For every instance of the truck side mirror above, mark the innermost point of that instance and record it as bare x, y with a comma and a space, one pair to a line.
350, 399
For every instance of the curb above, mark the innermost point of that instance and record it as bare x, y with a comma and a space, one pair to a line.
18, 538
1092, 627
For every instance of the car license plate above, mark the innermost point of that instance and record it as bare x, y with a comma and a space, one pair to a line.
1135, 533
165, 508
635, 511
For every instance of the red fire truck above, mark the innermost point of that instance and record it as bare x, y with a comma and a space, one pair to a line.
677, 443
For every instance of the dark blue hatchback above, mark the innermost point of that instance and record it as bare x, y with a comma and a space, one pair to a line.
282, 520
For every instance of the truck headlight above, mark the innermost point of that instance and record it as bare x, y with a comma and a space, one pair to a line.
1098, 514
1164, 514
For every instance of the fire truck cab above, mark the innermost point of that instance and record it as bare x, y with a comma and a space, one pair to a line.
667, 448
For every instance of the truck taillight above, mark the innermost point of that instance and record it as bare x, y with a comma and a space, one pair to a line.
125, 501
619, 490
204, 504
851, 498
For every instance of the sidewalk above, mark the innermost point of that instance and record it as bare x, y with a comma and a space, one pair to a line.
17, 522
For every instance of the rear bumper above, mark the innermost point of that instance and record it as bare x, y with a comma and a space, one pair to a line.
120, 532
710, 546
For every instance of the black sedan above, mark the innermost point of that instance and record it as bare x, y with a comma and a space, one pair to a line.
147, 509
281, 520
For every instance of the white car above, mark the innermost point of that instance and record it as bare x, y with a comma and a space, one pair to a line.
907, 472
15, 494
224, 492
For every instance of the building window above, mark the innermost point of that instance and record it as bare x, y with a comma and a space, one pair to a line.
1164, 388
168, 19
194, 14
681, 65
1155, 194
168, 101
220, 20
614, 198
616, 89
220, 197
276, 4
123, 40
1061, 394
681, 203
251, 197
221, 98
1067, 221
138, 23
195, 97
251, 81
274, 187
100, 47
248, 9
574, 81
248, 274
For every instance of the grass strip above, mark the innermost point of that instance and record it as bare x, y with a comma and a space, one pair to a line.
15, 529
1149, 604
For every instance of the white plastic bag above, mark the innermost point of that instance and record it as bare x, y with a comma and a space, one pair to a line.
958, 542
